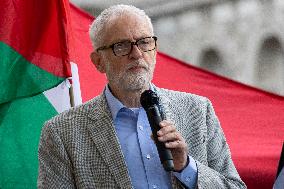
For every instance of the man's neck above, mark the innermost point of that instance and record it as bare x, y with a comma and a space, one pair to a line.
129, 98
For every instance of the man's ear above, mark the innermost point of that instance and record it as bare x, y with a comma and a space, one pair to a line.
97, 61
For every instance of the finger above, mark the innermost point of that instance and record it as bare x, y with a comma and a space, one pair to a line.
173, 136
175, 144
165, 123
167, 129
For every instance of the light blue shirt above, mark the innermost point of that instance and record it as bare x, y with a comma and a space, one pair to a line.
139, 150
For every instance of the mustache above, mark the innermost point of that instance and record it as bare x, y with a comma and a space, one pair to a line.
138, 63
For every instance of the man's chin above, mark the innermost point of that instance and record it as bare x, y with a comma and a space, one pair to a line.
137, 85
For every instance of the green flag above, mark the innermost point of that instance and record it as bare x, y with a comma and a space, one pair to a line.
34, 79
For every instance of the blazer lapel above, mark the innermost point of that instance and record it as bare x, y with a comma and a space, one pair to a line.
167, 113
164, 102
106, 141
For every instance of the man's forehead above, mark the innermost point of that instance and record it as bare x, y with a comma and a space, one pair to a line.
127, 26
126, 19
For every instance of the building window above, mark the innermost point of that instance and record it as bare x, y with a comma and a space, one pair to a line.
270, 66
212, 61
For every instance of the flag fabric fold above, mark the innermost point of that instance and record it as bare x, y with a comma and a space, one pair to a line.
34, 43
35, 78
252, 119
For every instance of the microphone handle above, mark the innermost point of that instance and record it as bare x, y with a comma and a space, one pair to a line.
165, 154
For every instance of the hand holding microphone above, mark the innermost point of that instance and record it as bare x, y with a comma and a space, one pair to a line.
171, 146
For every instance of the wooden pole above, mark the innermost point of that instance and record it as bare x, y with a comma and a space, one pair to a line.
71, 95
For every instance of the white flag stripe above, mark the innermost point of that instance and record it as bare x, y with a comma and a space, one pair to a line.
59, 95
76, 84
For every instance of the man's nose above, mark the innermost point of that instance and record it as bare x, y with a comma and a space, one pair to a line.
135, 52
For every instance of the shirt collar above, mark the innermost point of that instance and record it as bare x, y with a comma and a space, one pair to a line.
114, 104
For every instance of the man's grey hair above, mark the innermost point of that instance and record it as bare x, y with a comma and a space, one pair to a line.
96, 30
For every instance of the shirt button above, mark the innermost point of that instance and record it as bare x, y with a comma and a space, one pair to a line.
148, 157
154, 186
141, 127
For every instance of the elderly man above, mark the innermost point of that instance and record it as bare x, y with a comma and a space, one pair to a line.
106, 142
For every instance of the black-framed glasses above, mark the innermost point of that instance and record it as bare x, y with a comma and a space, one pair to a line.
124, 48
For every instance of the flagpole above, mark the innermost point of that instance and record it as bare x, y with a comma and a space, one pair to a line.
71, 96
71, 91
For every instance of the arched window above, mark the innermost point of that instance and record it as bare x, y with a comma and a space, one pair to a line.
212, 61
270, 66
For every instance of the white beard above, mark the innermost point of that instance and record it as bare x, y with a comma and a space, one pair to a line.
130, 81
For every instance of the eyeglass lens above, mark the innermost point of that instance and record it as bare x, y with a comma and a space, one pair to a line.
124, 48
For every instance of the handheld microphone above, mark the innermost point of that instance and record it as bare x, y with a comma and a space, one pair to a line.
150, 102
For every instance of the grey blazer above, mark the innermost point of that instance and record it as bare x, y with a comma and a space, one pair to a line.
79, 148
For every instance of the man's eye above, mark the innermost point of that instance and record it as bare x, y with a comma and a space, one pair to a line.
144, 42
122, 45
119, 45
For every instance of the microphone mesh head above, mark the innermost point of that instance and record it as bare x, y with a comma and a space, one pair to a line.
149, 98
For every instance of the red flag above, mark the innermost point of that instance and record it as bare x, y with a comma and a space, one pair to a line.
253, 120
34, 41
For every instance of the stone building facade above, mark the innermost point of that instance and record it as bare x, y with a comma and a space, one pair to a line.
239, 39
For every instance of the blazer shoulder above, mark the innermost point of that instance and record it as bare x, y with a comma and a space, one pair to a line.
78, 112
184, 97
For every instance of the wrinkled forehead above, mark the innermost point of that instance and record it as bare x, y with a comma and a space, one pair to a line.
127, 26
